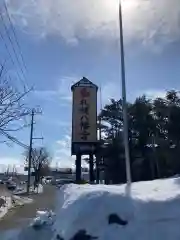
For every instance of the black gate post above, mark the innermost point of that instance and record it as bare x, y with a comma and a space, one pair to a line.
91, 168
98, 159
78, 168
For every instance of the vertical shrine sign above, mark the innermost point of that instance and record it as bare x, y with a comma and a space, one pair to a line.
84, 116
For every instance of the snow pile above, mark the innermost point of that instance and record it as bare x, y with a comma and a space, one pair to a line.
20, 191
11, 202
147, 211
43, 218
38, 189
6, 206
42, 222
20, 201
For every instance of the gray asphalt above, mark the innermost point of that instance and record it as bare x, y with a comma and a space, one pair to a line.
21, 216
28, 233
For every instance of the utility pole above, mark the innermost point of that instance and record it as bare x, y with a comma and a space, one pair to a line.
30, 148
30, 151
99, 153
125, 115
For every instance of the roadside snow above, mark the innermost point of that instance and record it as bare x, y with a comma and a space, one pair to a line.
43, 218
38, 189
39, 228
151, 210
147, 211
4, 208
11, 202
19, 201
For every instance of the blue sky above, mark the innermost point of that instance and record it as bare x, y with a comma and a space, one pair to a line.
63, 40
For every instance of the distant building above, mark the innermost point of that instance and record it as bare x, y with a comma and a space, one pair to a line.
69, 173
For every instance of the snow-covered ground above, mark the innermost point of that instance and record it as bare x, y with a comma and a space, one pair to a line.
21, 190
11, 202
6, 206
38, 189
19, 201
146, 211
15, 200
43, 218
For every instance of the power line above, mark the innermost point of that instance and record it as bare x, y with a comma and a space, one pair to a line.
9, 53
11, 42
15, 35
13, 139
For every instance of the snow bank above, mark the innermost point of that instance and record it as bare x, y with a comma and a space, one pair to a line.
11, 202
20, 191
19, 201
150, 209
38, 189
5, 207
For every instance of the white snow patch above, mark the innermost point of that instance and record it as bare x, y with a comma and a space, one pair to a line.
38, 189
11, 202
19, 201
4, 209
151, 208
43, 218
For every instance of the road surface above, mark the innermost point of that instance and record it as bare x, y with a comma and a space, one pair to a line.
21, 216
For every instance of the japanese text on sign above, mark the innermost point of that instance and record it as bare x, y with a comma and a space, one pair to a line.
84, 114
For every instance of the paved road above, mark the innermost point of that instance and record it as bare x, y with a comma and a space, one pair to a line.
20, 217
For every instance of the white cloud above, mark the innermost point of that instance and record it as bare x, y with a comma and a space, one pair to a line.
63, 91
65, 142
154, 23
45, 94
110, 90
62, 152
64, 124
10, 164
62, 156
113, 90
155, 93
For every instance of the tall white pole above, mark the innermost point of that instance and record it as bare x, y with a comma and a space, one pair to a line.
123, 82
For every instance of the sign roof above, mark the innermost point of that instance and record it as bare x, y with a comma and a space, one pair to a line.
84, 82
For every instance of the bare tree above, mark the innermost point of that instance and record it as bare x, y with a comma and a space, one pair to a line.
12, 107
40, 162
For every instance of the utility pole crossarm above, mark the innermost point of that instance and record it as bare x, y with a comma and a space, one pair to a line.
38, 138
